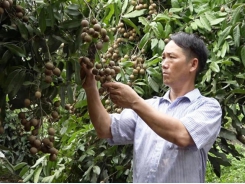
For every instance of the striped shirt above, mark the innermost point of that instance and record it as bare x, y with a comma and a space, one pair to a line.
157, 160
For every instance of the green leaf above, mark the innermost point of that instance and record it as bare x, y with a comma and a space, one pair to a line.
135, 13
236, 14
6, 56
214, 67
15, 80
42, 20
48, 179
154, 43
22, 28
205, 22
39, 161
217, 21
16, 50
162, 17
77, 73
130, 23
144, 40
223, 35
70, 94
190, 6
174, 10
51, 15
109, 14
70, 24
153, 84
36, 174
237, 36
144, 21
19, 165
227, 134
238, 91
139, 90
125, 5
24, 171
96, 169
243, 55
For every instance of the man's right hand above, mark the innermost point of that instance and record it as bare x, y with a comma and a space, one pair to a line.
87, 78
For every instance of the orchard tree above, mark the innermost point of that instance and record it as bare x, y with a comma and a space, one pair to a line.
44, 124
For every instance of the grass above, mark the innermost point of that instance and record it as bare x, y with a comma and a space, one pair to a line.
231, 174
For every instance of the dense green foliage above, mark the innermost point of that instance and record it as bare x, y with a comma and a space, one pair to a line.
137, 35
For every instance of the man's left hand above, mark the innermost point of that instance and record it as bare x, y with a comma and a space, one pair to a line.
121, 94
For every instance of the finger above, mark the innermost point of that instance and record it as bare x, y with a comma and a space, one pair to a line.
110, 85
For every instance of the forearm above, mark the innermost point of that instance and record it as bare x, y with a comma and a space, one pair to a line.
98, 115
164, 125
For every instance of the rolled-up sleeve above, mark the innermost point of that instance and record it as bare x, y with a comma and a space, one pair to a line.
123, 127
203, 124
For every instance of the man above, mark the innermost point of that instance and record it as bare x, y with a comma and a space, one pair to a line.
171, 134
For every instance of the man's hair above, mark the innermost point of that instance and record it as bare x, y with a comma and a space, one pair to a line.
195, 46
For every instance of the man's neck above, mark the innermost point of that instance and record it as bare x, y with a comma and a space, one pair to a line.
178, 92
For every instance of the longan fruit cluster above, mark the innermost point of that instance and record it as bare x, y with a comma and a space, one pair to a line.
8, 8
50, 71
45, 145
33, 123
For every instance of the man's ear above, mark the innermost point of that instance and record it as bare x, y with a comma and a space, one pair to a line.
194, 64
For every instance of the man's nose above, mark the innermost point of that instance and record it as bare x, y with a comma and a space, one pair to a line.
164, 64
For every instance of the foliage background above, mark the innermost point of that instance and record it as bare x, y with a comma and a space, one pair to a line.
52, 33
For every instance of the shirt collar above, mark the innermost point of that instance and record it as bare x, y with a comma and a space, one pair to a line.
192, 95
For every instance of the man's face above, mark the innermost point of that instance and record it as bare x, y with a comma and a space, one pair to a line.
175, 66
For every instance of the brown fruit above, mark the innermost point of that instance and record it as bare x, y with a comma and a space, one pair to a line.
222, 9
95, 71
53, 151
1, 11
27, 126
48, 79
55, 114
87, 38
25, 18
49, 65
67, 106
91, 31
18, 8
106, 39
48, 72
103, 32
166, 40
52, 157
56, 72
99, 45
51, 138
5, 4
96, 34
1, 130
34, 132
117, 69
108, 78
31, 138
112, 63
51, 131
21, 115
57, 103
107, 71
94, 21
46, 141
33, 150
97, 27
19, 15
23, 122
11, 2
27, 102
38, 94
44, 149
142, 71
37, 143
34, 122
85, 23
